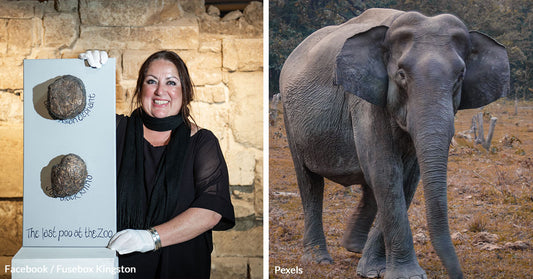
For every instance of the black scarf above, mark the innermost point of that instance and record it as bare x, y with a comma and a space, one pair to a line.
137, 209
161, 124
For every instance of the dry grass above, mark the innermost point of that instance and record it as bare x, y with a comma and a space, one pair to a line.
488, 192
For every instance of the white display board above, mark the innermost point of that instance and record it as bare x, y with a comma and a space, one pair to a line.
88, 218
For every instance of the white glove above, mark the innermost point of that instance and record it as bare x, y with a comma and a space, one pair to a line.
95, 58
128, 241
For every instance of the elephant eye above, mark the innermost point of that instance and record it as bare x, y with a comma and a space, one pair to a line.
401, 74
461, 75
401, 78
458, 82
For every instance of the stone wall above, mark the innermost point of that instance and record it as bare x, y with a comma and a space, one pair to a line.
224, 56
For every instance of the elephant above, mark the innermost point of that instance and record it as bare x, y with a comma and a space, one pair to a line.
372, 102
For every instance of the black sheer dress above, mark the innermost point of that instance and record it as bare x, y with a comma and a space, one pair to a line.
205, 184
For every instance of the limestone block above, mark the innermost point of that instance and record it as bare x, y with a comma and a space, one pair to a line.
193, 6
171, 11
253, 13
125, 90
250, 243
258, 189
204, 68
256, 268
115, 53
233, 15
247, 25
234, 267
213, 11
243, 54
60, 30
23, 34
210, 44
11, 73
37, 32
3, 37
241, 164
19, 9
120, 93
12, 77
213, 117
132, 61
70, 53
67, 6
11, 160
182, 34
48, 7
214, 25
44, 53
213, 76
211, 93
11, 107
118, 13
10, 226
136, 13
124, 108
246, 96
252, 21
243, 203
95, 37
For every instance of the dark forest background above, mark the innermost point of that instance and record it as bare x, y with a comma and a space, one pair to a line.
510, 22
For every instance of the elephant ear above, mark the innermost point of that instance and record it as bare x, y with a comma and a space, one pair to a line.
360, 68
487, 72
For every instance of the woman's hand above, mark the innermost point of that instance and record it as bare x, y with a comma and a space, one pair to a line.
95, 58
128, 241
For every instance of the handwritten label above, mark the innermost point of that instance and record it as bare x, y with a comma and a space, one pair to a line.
79, 194
62, 234
82, 192
84, 114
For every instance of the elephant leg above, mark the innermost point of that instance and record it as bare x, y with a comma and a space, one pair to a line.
311, 188
373, 262
360, 222
397, 268
401, 261
381, 153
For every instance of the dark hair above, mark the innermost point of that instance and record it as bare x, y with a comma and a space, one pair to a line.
187, 87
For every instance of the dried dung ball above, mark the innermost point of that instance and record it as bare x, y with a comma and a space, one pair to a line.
68, 177
66, 97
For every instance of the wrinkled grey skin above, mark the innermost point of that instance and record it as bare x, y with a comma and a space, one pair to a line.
372, 102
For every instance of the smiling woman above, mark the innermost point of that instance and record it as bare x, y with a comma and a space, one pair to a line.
164, 77
172, 184
161, 91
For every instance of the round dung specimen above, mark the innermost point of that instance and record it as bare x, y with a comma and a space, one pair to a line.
66, 97
68, 177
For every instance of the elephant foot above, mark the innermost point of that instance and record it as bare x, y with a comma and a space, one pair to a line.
320, 256
371, 266
411, 271
354, 244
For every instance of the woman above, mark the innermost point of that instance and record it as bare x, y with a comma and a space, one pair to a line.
172, 184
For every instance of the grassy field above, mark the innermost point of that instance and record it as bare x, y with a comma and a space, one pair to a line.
490, 204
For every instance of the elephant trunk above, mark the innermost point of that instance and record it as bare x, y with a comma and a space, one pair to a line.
432, 133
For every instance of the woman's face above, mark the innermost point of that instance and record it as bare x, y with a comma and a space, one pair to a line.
161, 89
